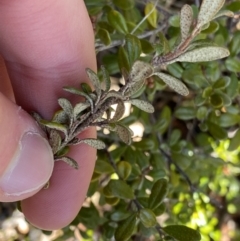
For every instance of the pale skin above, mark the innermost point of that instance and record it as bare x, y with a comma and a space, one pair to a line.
45, 45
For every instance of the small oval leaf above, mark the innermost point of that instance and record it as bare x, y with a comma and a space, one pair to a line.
60, 117
142, 105
103, 167
124, 169
66, 106
104, 36
158, 193
208, 10
79, 107
106, 78
55, 126
147, 218
126, 228
117, 20
182, 233
235, 141
133, 47
186, 19
151, 13
95, 81
93, 143
71, 162
120, 189
173, 83
203, 54
124, 133
185, 113
216, 131
81, 93
119, 112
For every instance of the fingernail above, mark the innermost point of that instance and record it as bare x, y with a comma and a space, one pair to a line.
30, 167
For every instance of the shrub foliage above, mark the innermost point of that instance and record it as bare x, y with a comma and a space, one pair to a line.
179, 180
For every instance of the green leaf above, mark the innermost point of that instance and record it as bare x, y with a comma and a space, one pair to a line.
117, 20
216, 131
106, 78
125, 230
208, 11
112, 200
186, 19
202, 113
71, 162
142, 105
133, 47
201, 43
86, 88
232, 89
124, 5
182, 233
55, 126
163, 120
174, 137
147, 218
173, 83
226, 13
124, 133
103, 167
225, 98
120, 189
235, 141
123, 61
93, 143
212, 28
203, 54
235, 43
63, 151
145, 144
164, 43
158, 193
228, 120
216, 100
124, 169
146, 46
175, 69
207, 92
151, 13
233, 64
104, 36
105, 25
119, 215
174, 21
222, 83
185, 113
234, 6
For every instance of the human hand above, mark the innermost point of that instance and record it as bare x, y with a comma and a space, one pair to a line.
46, 45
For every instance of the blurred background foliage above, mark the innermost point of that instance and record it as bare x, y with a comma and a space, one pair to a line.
183, 166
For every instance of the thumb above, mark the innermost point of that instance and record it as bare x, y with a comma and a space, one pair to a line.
26, 160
